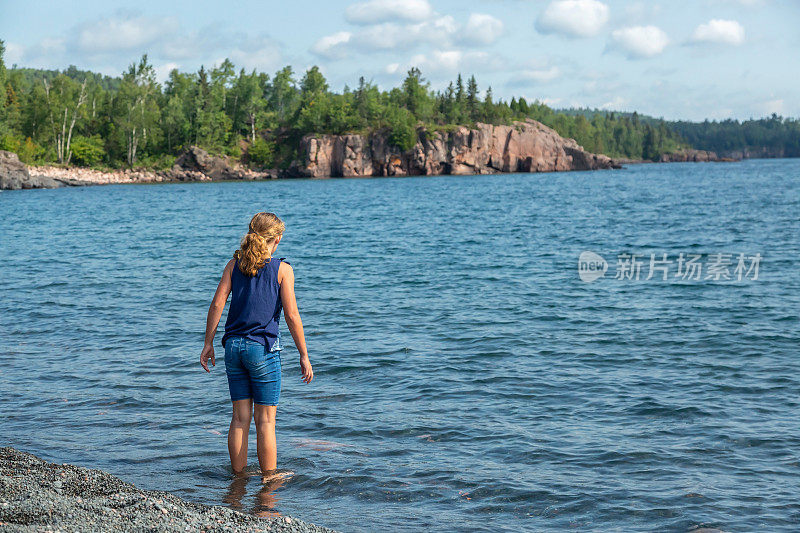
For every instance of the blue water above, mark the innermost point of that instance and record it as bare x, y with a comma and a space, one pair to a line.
465, 377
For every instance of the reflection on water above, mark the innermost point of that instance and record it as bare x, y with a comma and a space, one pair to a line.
264, 500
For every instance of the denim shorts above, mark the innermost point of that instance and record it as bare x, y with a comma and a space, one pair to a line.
253, 371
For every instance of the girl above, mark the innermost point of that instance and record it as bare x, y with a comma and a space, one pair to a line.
260, 286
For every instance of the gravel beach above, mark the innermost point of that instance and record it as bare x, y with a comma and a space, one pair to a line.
39, 496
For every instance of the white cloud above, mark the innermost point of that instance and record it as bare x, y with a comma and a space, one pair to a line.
773, 106
481, 29
573, 18
719, 31
535, 76
552, 102
332, 46
178, 46
163, 70
615, 104
109, 44
639, 41
260, 53
449, 61
375, 11
122, 32
390, 36
14, 53
441, 31
50, 52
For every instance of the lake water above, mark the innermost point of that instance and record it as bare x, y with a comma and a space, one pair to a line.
466, 378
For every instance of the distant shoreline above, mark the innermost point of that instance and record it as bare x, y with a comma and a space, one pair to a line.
36, 494
86, 177
50, 176
81, 177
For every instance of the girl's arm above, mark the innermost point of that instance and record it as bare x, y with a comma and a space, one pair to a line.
214, 314
292, 315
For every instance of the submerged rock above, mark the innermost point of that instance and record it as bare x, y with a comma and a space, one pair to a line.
528, 146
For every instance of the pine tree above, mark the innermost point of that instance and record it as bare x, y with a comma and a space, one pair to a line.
472, 99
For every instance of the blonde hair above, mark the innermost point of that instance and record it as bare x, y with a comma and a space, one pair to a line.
254, 251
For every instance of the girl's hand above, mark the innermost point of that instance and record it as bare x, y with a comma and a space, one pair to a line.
305, 366
206, 355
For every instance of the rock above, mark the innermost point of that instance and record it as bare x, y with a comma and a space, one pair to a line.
14, 175
487, 149
195, 164
197, 160
93, 500
689, 155
752, 152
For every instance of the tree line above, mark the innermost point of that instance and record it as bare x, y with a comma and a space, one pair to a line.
773, 136
76, 117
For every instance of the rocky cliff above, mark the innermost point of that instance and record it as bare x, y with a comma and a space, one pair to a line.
487, 149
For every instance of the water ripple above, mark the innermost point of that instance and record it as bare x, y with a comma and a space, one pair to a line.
466, 379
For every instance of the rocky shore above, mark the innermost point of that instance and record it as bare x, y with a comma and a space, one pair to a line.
193, 164
527, 146
690, 155
36, 495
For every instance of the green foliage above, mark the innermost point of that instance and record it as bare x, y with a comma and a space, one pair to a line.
136, 115
28, 151
772, 136
402, 130
613, 134
261, 153
131, 120
9, 143
87, 151
156, 161
4, 95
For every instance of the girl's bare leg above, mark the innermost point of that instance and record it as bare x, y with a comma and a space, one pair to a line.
265, 437
238, 433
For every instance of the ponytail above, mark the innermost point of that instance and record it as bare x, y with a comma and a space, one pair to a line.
255, 249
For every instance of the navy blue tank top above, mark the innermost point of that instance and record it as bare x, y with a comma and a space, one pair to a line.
255, 309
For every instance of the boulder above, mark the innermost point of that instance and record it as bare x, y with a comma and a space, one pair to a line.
195, 164
14, 175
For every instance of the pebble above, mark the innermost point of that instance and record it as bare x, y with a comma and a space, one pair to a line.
28, 493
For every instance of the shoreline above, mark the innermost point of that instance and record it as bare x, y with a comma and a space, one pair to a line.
195, 165
80, 176
36, 494
87, 177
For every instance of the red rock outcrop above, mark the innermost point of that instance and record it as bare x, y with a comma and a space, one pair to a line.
487, 149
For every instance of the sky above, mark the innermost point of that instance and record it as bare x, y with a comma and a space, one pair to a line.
678, 59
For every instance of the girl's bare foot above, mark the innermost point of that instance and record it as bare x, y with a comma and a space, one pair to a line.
275, 475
